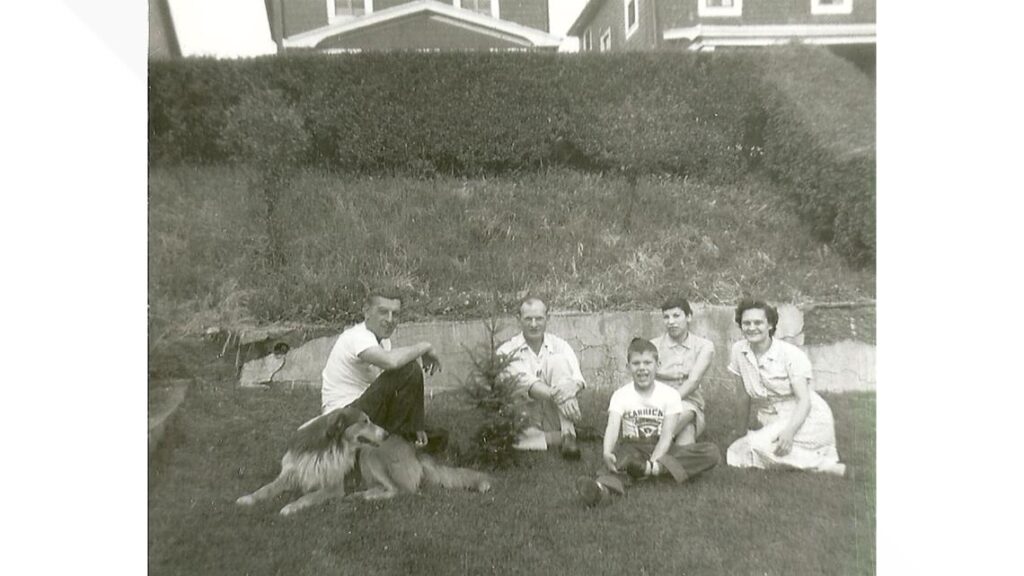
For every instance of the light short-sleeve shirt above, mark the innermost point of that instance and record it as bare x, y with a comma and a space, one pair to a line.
346, 376
643, 415
532, 366
680, 357
771, 375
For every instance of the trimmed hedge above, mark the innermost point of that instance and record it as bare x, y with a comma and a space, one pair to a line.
471, 114
465, 114
819, 140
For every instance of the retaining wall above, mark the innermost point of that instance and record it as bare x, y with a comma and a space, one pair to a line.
599, 339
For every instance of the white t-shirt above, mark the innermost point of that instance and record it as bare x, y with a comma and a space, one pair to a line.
346, 376
642, 416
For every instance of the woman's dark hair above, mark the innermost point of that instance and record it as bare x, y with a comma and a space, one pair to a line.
769, 311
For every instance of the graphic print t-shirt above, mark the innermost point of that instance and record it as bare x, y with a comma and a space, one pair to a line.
642, 416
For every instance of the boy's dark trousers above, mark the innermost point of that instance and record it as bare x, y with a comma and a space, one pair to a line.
682, 462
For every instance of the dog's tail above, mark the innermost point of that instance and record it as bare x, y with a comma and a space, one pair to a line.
439, 475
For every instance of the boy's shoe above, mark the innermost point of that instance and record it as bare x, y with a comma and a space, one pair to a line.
569, 449
590, 491
636, 470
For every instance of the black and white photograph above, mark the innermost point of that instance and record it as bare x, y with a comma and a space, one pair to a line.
496, 286
515, 287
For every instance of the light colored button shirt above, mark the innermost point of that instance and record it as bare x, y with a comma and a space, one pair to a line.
531, 365
770, 376
680, 357
346, 376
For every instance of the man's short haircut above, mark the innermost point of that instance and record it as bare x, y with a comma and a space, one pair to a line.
531, 300
640, 346
386, 292
677, 302
769, 311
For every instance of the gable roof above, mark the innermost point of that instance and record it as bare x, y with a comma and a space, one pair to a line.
446, 13
586, 15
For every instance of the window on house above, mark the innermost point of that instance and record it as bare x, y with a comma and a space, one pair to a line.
831, 6
488, 7
588, 40
719, 8
349, 7
632, 17
606, 40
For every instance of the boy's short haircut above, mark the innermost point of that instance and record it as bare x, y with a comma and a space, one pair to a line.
677, 302
640, 346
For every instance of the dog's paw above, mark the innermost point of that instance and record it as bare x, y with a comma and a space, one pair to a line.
289, 510
246, 500
484, 486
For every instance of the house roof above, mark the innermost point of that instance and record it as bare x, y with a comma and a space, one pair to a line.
707, 35
586, 15
446, 13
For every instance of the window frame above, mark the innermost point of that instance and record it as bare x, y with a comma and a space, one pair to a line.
636, 16
332, 14
733, 11
495, 8
606, 35
844, 7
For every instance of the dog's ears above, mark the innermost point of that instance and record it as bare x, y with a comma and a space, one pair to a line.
335, 423
340, 419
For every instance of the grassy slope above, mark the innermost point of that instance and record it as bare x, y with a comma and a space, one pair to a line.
585, 242
227, 442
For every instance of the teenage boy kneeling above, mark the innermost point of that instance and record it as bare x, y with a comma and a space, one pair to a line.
646, 413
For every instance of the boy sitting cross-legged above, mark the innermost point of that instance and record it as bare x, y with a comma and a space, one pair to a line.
646, 413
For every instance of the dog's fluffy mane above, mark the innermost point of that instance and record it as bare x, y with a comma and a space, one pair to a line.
317, 453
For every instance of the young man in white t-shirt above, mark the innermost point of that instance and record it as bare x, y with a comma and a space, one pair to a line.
644, 413
384, 382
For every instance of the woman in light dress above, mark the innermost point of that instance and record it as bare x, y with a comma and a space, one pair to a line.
773, 380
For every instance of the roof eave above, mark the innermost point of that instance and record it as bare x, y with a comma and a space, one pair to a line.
311, 38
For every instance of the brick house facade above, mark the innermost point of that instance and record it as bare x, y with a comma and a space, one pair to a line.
620, 25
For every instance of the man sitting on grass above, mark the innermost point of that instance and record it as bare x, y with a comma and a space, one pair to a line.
683, 358
549, 374
386, 383
646, 413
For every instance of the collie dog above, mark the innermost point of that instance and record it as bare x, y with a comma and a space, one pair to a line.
320, 453
324, 450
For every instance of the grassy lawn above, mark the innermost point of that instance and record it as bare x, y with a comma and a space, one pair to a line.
227, 442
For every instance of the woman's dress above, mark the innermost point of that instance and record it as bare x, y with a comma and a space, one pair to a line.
768, 382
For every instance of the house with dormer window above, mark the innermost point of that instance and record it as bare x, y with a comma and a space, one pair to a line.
243, 28
711, 24
435, 25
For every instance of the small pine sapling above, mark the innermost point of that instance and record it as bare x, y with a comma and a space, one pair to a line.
492, 390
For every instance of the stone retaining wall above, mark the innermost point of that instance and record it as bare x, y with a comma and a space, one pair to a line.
599, 339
